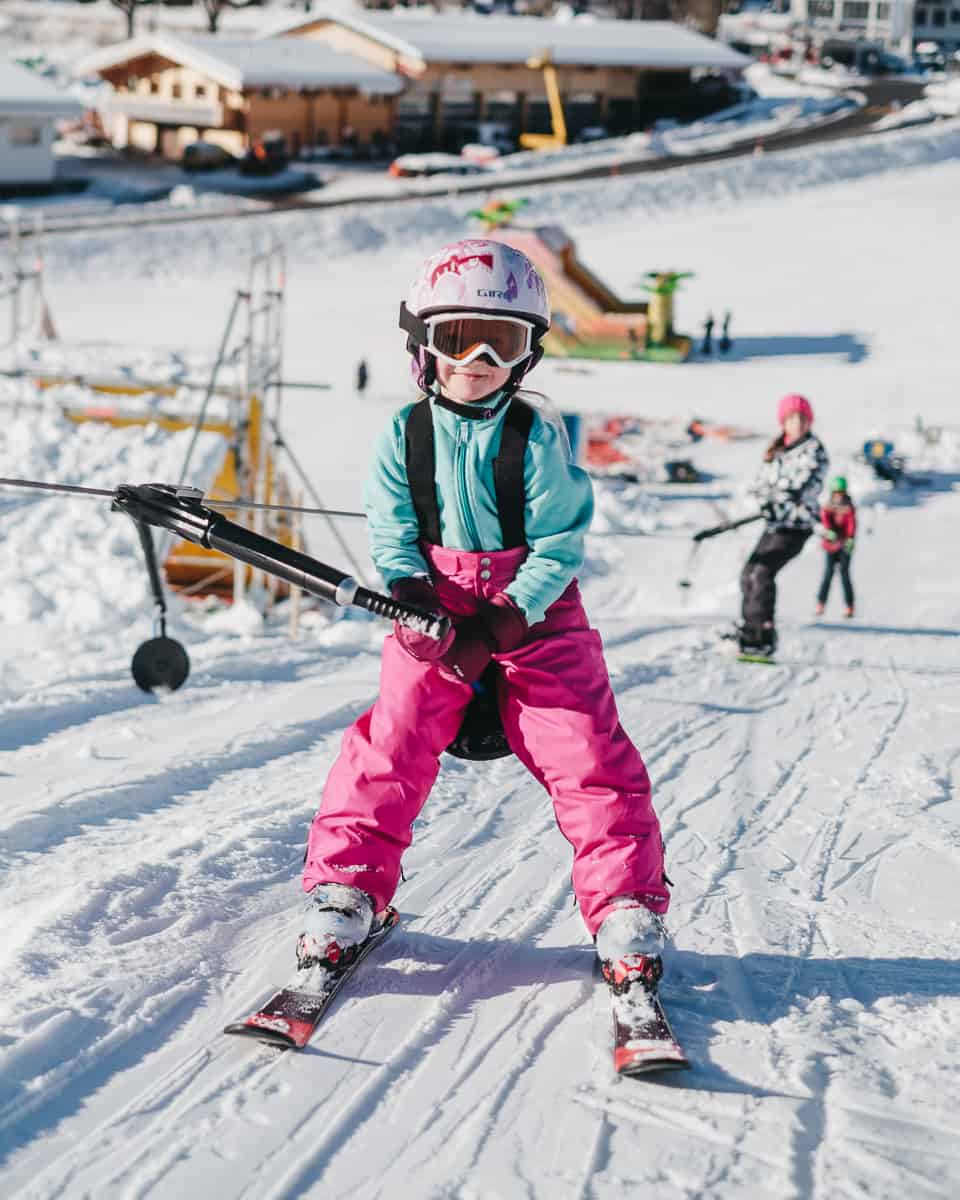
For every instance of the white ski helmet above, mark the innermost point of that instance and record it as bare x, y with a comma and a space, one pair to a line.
475, 275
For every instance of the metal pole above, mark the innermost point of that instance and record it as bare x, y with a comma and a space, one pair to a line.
14, 222
315, 496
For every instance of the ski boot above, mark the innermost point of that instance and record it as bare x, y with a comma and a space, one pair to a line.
629, 943
758, 642
819, 610
336, 922
848, 611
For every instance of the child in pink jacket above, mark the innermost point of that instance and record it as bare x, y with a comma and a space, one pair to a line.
476, 512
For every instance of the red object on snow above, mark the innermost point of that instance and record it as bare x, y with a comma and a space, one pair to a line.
841, 520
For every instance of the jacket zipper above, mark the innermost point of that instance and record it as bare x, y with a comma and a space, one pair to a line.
462, 491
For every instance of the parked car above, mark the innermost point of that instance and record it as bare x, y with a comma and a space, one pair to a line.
409, 166
266, 156
592, 133
494, 134
206, 156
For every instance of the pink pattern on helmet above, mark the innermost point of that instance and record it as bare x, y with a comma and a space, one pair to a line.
794, 403
483, 276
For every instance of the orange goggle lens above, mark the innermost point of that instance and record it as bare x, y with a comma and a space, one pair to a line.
460, 339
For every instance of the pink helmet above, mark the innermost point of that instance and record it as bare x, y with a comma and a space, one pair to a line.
794, 403
477, 275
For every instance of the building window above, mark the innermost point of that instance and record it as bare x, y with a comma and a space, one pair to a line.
200, 91
24, 135
176, 91
855, 10
955, 16
883, 12
821, 8
939, 16
154, 86
921, 16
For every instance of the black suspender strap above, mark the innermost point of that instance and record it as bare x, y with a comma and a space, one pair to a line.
508, 473
422, 470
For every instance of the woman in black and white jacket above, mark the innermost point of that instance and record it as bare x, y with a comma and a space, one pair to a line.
788, 488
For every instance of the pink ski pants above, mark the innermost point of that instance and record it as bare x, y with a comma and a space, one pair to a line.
561, 721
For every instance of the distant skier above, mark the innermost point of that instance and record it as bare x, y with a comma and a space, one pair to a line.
726, 344
363, 376
706, 348
839, 522
476, 512
788, 488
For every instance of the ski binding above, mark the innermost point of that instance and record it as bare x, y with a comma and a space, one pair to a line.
288, 1019
643, 1040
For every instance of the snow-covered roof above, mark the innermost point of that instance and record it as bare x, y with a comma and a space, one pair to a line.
251, 62
471, 38
24, 92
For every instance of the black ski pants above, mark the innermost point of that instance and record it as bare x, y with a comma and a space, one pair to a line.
758, 579
837, 560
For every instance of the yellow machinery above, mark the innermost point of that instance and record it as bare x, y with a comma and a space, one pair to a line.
558, 135
247, 467
245, 420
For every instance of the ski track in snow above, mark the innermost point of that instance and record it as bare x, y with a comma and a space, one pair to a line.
150, 849
468, 1004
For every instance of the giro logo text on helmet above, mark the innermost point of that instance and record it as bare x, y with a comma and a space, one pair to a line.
457, 263
509, 294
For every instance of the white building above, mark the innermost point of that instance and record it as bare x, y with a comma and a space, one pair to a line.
900, 24
938, 21
29, 110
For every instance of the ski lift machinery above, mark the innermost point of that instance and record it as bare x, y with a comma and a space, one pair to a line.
557, 137
252, 346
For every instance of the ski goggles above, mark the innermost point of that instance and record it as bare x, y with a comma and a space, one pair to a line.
460, 338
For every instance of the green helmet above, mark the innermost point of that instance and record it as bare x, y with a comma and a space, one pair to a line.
838, 483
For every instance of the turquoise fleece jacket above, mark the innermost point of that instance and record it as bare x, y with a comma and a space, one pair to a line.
559, 503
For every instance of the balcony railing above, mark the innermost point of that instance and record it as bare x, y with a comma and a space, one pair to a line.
135, 107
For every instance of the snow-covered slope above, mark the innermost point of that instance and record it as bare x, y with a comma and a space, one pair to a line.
150, 849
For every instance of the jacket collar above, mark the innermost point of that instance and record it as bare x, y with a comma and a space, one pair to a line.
482, 410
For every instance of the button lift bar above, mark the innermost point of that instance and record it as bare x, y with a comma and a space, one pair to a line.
162, 662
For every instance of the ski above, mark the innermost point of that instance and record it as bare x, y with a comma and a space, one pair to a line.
289, 1018
766, 659
643, 1041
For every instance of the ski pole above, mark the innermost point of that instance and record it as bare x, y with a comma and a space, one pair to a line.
179, 510
726, 527
686, 581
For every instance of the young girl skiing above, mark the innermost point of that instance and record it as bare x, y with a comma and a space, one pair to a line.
476, 512
839, 522
788, 488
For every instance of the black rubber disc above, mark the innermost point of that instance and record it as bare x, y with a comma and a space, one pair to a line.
160, 663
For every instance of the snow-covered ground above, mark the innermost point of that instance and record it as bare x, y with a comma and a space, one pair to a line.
150, 848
